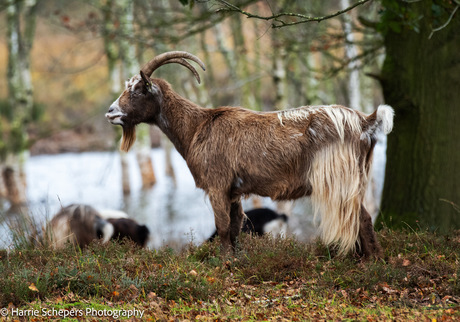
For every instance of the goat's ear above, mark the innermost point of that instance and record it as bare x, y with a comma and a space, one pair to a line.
145, 79
148, 85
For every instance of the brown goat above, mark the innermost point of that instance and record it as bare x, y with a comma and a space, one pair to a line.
320, 151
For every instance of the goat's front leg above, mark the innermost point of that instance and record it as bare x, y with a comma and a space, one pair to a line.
370, 246
236, 221
221, 205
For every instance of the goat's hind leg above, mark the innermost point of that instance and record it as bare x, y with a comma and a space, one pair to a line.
370, 246
221, 207
236, 221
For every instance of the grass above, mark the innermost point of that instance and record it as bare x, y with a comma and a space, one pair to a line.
267, 279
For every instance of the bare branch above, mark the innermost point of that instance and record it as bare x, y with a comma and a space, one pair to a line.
279, 23
446, 23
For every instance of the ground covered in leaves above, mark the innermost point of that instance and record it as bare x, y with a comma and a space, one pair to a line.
267, 279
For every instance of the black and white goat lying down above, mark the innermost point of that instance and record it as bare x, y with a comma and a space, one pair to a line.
82, 224
262, 221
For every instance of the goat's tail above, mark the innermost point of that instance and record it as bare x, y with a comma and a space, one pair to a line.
339, 178
382, 119
385, 114
339, 174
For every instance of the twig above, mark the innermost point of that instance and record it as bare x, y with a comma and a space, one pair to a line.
281, 23
446, 23
455, 206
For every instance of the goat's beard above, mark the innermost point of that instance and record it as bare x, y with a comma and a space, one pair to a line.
128, 138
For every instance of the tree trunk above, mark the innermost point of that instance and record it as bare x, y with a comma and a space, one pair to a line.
130, 68
126, 31
19, 46
112, 49
420, 79
121, 51
169, 169
226, 52
109, 33
20, 95
243, 73
125, 182
351, 51
279, 75
144, 160
257, 88
209, 75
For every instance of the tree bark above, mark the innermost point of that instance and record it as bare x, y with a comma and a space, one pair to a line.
420, 79
125, 182
169, 169
19, 46
279, 75
241, 56
209, 75
123, 64
109, 33
21, 22
112, 49
351, 51
130, 68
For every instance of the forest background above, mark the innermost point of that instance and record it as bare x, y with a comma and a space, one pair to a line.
63, 63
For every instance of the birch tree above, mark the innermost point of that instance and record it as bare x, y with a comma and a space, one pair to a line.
351, 52
118, 30
130, 65
21, 22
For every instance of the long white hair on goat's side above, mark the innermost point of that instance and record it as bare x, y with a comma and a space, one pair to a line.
339, 183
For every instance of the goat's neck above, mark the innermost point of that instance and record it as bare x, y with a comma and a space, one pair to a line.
179, 118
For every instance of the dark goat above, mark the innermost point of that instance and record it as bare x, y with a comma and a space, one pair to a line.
128, 228
262, 221
82, 224
320, 151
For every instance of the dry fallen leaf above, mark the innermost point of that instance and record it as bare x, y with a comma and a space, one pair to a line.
33, 287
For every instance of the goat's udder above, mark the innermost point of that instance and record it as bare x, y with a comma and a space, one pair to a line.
128, 138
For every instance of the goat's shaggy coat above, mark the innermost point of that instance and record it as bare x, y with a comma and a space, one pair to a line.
320, 151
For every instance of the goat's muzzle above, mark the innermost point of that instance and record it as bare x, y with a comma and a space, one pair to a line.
114, 115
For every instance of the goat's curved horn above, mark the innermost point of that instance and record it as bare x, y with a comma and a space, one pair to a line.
185, 63
173, 57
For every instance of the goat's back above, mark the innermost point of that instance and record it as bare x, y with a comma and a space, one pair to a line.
267, 153
80, 224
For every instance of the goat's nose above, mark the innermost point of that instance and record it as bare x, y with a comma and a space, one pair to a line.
111, 109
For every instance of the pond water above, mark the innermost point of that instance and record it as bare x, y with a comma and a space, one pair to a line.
176, 214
